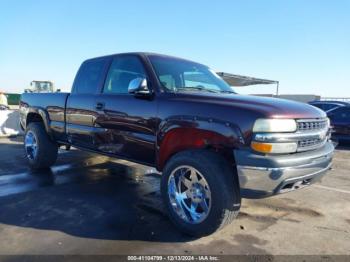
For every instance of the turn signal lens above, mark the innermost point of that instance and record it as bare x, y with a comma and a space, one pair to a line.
274, 148
261, 147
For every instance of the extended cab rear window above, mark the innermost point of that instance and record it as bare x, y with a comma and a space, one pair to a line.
90, 76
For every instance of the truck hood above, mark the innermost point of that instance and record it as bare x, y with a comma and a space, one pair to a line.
269, 107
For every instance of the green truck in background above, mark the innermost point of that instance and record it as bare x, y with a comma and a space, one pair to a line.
35, 87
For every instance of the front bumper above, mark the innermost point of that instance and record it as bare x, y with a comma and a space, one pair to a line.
266, 175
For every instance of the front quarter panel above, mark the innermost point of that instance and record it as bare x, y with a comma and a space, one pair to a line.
188, 124
187, 132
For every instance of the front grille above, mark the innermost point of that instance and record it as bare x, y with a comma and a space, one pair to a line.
309, 125
312, 140
310, 135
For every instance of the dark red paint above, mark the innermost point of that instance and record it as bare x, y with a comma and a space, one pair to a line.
151, 129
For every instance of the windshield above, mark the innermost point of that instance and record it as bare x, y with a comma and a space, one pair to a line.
180, 75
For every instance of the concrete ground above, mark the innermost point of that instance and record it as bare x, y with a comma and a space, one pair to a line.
89, 204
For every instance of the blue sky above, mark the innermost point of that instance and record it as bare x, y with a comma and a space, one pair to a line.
303, 44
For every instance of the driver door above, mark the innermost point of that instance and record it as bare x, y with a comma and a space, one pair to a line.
129, 122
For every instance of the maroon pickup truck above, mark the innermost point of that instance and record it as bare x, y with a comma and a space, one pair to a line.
212, 145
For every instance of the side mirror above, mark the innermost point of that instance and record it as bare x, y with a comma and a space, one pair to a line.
138, 86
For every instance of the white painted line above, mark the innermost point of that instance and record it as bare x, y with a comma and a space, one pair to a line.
333, 189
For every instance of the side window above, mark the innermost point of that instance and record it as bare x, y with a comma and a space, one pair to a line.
342, 114
167, 81
347, 114
329, 106
320, 106
89, 76
326, 107
123, 70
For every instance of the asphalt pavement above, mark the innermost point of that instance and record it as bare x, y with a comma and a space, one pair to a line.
91, 204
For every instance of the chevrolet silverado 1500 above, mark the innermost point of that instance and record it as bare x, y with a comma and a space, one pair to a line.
211, 145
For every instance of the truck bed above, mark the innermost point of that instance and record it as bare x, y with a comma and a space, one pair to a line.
51, 106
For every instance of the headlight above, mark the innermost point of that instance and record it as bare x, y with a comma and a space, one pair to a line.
275, 125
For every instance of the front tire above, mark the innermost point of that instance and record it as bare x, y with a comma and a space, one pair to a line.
200, 191
40, 150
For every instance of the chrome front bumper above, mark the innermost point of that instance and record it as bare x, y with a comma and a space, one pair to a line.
265, 175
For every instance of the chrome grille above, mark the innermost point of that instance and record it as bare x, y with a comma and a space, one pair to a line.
310, 135
308, 125
310, 142
315, 131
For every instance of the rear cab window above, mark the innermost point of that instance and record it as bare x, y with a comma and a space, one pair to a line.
90, 76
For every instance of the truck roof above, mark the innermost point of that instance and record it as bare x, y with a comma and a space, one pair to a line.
142, 54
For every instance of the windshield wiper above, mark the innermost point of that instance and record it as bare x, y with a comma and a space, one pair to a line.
197, 88
228, 92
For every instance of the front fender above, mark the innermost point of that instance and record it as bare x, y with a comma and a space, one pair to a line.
180, 133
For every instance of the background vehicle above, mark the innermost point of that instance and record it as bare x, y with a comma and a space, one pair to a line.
328, 104
211, 145
340, 120
41, 87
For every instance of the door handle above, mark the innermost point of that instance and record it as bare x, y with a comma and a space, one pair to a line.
100, 106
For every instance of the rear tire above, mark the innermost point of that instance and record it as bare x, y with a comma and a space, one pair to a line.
40, 150
217, 185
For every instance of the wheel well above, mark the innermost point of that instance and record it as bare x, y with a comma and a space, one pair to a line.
33, 117
225, 152
182, 139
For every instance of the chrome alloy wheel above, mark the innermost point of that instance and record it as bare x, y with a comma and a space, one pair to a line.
189, 194
31, 145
